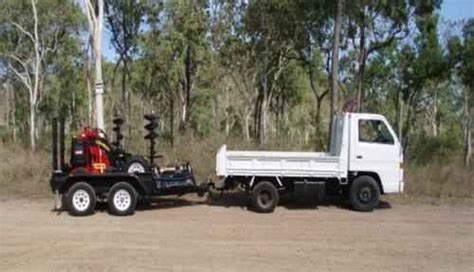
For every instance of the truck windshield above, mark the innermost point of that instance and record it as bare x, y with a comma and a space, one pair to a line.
374, 131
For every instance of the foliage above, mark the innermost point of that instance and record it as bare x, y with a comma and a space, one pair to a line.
255, 71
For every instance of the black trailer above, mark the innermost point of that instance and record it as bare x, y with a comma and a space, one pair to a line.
78, 190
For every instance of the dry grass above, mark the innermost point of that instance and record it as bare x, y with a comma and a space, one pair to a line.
443, 181
27, 174
23, 173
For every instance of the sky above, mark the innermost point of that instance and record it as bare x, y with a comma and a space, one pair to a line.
451, 10
457, 9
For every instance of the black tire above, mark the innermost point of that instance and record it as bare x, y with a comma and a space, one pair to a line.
81, 199
122, 199
364, 194
265, 197
139, 163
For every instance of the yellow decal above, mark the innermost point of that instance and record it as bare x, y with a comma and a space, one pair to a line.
99, 166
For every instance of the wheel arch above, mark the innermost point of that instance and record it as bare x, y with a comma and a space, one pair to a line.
249, 182
373, 175
276, 181
102, 185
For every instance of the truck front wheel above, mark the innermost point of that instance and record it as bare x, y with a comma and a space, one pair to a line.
364, 194
265, 197
81, 199
122, 199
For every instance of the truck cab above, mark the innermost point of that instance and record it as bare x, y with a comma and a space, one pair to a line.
375, 148
365, 160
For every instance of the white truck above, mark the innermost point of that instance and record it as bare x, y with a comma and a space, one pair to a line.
365, 160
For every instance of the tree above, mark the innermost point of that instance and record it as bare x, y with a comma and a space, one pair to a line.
462, 60
29, 42
373, 25
269, 32
124, 19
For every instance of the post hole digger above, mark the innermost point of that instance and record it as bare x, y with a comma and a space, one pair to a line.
103, 171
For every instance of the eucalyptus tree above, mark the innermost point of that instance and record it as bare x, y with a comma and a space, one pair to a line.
372, 26
125, 20
270, 27
32, 32
94, 10
461, 53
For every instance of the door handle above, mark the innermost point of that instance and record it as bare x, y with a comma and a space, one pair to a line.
358, 157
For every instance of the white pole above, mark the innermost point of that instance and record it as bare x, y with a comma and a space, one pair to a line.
99, 90
95, 24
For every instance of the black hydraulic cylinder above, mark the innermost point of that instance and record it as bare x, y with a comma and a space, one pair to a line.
55, 144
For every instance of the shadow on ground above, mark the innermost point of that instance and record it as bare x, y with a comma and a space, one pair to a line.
242, 200
235, 200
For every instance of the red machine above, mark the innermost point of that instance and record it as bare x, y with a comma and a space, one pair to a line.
91, 151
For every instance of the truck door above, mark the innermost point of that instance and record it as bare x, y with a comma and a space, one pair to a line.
375, 148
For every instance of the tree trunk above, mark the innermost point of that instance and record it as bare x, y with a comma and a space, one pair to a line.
14, 116
182, 120
257, 114
89, 89
188, 85
335, 66
468, 130
227, 125
435, 120
361, 74
37, 71
400, 116
319, 128
95, 12
247, 124
263, 123
263, 108
171, 121
126, 96
32, 126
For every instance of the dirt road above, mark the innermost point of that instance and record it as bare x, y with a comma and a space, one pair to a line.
192, 236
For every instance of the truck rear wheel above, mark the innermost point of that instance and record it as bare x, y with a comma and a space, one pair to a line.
265, 197
364, 194
81, 199
122, 199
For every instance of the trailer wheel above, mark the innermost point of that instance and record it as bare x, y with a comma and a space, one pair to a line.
122, 199
81, 199
137, 164
265, 197
364, 194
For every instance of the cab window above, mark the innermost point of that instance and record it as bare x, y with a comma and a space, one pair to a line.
374, 131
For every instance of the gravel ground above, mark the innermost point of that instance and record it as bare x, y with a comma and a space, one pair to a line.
189, 235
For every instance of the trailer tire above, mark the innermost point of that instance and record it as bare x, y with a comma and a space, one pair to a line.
81, 199
364, 194
137, 164
122, 199
265, 197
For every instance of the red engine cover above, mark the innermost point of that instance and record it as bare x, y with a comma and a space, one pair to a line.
96, 150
